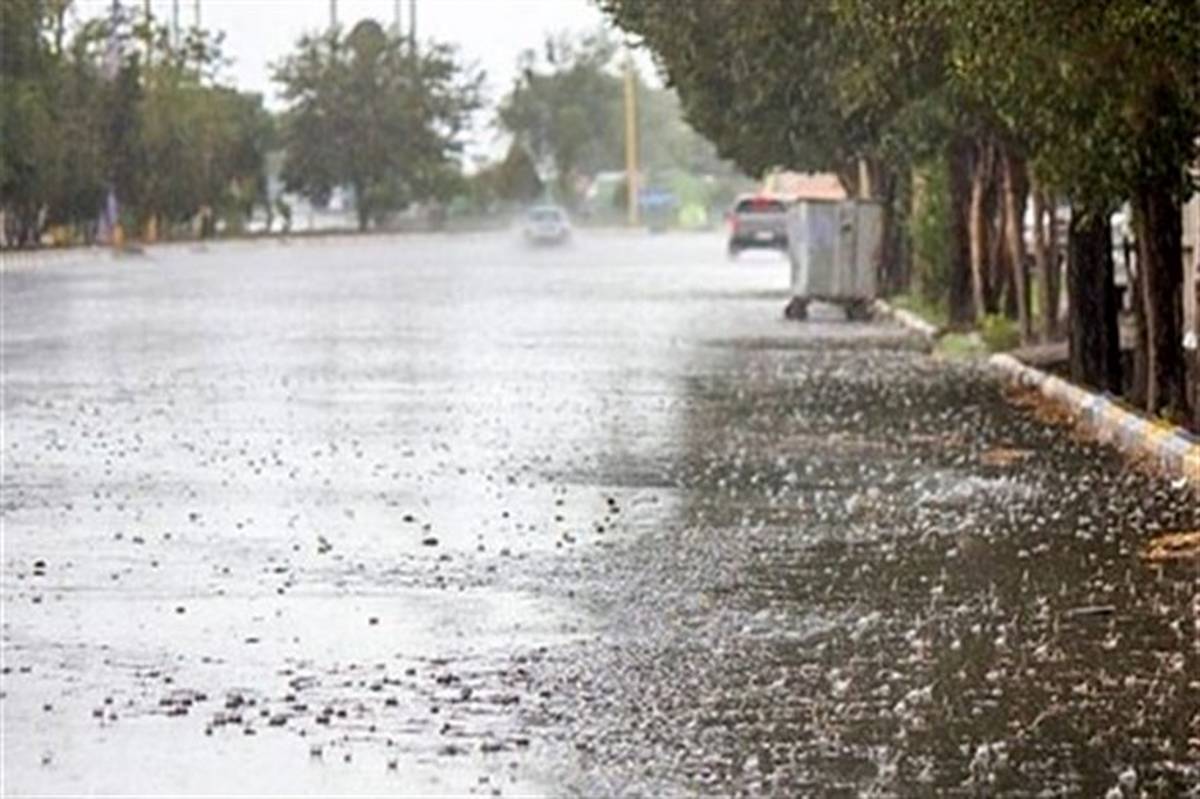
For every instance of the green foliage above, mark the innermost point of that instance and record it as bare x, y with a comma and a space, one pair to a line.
511, 182
1104, 96
931, 311
367, 111
566, 109
999, 333
117, 105
775, 83
961, 346
929, 232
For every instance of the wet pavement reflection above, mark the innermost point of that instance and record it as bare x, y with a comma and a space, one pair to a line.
447, 515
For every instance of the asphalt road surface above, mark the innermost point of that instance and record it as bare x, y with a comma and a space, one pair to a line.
449, 515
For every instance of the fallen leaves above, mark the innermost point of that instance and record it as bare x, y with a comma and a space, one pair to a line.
1040, 407
1173, 546
1003, 456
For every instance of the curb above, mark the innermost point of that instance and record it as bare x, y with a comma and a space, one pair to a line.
1171, 448
906, 319
49, 256
31, 259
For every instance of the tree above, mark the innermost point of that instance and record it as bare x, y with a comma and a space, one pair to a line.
117, 105
777, 84
1105, 98
368, 112
564, 109
567, 110
1097, 102
26, 124
512, 181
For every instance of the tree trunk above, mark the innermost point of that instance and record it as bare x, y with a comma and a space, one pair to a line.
1014, 214
889, 266
1002, 296
1041, 262
1158, 221
848, 175
1094, 336
961, 311
918, 201
361, 207
1137, 292
1056, 261
978, 228
902, 254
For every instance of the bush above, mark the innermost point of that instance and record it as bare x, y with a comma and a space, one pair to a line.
931, 312
999, 333
929, 230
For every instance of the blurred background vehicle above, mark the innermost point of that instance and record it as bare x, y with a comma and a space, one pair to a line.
757, 222
546, 224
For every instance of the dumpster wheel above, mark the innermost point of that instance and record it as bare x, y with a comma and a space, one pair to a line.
797, 309
858, 310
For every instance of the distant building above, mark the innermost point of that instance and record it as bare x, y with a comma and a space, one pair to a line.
804, 186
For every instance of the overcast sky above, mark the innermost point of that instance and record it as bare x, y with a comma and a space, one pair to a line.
490, 32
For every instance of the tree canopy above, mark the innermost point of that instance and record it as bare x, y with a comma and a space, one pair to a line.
119, 105
566, 110
368, 111
1098, 102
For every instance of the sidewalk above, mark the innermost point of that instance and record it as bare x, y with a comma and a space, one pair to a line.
1164, 446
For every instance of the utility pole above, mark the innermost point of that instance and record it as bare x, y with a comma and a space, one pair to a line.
396, 27
631, 147
175, 22
196, 13
412, 25
332, 14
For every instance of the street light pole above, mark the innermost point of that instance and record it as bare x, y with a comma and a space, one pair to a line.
631, 145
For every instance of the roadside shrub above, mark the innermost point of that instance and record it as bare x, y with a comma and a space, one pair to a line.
929, 231
999, 333
928, 310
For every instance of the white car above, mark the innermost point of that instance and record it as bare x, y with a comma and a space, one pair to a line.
546, 224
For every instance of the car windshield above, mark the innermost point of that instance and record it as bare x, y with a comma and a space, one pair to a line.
545, 215
759, 205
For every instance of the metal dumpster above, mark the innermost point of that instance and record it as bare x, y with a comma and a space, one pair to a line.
834, 249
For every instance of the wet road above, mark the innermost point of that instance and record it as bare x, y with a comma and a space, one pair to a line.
446, 515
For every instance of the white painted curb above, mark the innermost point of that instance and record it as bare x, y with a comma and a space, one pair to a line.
1173, 449
906, 319
49, 256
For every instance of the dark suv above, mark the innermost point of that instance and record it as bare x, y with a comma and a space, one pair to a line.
757, 222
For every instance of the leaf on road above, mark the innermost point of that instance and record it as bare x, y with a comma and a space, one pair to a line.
1003, 456
1173, 546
